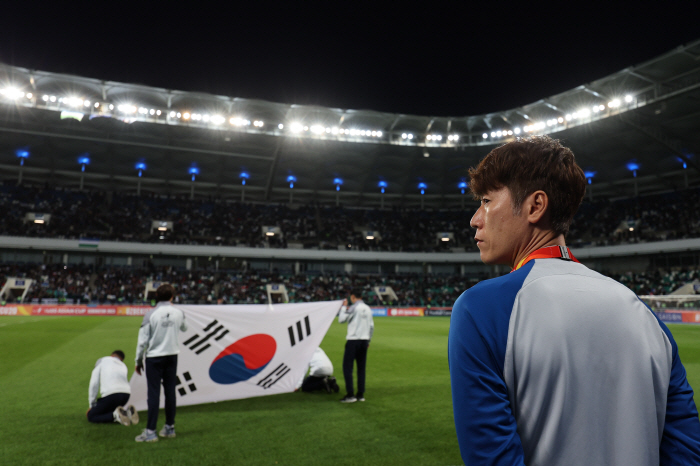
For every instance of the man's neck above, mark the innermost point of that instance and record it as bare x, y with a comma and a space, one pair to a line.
540, 239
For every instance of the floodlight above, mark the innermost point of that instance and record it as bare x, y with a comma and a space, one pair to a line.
52, 98
12, 93
172, 114
39, 220
158, 112
484, 135
185, 116
280, 126
206, 118
296, 127
369, 237
269, 233
379, 134
86, 103
444, 238
628, 98
217, 119
29, 95
45, 98
516, 130
152, 111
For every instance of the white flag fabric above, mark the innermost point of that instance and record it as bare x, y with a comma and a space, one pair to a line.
240, 351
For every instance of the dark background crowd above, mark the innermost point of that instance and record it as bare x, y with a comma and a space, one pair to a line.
87, 284
118, 216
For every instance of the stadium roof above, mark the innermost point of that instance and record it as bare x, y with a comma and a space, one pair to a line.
645, 116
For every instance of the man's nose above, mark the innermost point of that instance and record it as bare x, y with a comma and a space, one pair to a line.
475, 222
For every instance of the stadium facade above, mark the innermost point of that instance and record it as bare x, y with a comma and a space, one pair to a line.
634, 132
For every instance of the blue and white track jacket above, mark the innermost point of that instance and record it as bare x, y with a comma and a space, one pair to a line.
555, 364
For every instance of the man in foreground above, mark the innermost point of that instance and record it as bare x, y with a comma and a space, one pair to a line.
360, 330
158, 340
555, 364
109, 378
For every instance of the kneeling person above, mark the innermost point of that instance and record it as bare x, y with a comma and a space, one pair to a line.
320, 374
109, 378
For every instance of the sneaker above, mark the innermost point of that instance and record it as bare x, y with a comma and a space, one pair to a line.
147, 436
121, 416
348, 399
360, 398
133, 414
167, 431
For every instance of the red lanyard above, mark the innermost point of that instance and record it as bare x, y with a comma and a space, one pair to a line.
550, 252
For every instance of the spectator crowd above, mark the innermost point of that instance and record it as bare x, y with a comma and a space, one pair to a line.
118, 216
75, 284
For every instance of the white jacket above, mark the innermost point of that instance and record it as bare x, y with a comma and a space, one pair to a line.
159, 331
359, 319
108, 377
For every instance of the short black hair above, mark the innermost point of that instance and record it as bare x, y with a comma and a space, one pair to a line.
165, 292
119, 353
356, 292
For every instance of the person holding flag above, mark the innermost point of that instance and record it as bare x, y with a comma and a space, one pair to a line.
360, 330
158, 341
554, 363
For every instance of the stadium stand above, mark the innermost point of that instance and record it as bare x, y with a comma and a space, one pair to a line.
127, 217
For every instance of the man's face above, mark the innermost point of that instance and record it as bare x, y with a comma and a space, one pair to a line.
499, 233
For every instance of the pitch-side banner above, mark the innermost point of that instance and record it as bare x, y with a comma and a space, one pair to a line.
240, 351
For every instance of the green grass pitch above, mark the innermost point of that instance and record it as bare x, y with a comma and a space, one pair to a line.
45, 365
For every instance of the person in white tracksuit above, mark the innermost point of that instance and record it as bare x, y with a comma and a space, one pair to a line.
109, 379
158, 341
360, 330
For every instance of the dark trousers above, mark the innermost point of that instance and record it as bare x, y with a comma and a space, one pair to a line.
312, 383
104, 409
355, 350
161, 369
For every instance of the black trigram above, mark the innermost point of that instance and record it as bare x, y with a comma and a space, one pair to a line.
272, 378
191, 386
202, 345
300, 333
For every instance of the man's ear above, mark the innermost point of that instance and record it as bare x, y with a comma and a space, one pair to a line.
536, 206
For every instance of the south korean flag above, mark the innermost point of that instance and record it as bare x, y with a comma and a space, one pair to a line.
239, 351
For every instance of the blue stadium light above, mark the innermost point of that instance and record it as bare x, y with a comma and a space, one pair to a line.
194, 171
337, 182
422, 187
22, 154
141, 167
291, 179
462, 185
383, 185
589, 176
83, 160
633, 167
244, 176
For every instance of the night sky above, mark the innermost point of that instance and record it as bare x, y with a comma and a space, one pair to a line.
440, 58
